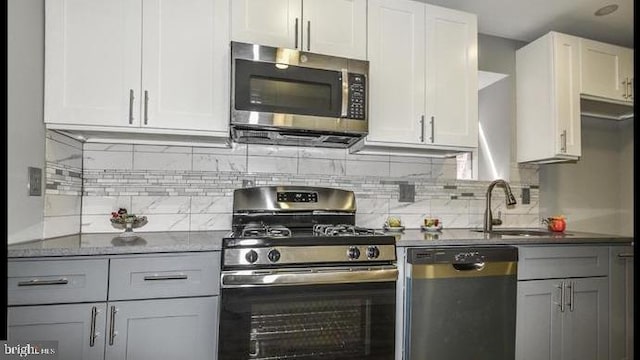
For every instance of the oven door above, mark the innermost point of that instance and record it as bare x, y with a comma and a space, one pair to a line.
288, 89
308, 319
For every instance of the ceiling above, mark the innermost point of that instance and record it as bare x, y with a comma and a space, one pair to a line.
526, 20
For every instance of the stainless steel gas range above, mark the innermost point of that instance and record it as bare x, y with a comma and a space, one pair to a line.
301, 281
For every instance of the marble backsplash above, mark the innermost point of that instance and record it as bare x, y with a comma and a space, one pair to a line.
183, 188
63, 190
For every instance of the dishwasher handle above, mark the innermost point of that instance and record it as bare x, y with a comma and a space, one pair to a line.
469, 267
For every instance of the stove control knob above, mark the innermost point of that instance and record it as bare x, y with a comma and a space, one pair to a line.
373, 252
353, 253
273, 255
251, 256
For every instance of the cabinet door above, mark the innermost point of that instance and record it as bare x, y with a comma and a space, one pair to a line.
163, 329
335, 27
539, 320
267, 22
606, 70
185, 65
586, 329
621, 303
566, 72
396, 74
92, 68
79, 329
451, 77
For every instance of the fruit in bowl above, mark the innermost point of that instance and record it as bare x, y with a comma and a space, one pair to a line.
393, 221
556, 223
429, 222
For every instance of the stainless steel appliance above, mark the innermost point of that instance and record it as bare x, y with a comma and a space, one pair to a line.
461, 303
291, 97
301, 281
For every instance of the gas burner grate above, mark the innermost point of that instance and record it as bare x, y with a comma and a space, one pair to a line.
265, 230
341, 230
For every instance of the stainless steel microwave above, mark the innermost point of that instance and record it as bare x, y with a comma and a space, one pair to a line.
291, 97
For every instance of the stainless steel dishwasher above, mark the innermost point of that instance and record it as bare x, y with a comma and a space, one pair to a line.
461, 303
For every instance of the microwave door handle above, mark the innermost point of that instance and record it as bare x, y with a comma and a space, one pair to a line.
345, 93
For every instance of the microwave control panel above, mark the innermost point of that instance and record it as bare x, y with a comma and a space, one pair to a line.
357, 98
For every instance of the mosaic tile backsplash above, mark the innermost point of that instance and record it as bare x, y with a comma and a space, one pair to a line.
191, 188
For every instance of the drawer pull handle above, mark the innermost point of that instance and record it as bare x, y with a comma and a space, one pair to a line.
625, 255
38, 282
93, 335
112, 325
165, 277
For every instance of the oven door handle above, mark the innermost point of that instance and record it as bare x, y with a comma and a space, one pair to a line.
255, 278
345, 93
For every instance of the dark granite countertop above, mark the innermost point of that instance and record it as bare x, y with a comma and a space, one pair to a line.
417, 237
185, 241
112, 243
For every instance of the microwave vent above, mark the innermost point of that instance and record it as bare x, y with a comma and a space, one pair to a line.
290, 138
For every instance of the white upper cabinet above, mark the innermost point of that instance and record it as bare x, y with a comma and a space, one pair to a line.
92, 61
396, 71
606, 71
115, 65
332, 27
423, 79
452, 77
547, 100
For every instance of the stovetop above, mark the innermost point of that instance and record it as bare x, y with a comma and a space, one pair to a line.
300, 225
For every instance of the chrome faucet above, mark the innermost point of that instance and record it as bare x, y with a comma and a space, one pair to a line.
510, 200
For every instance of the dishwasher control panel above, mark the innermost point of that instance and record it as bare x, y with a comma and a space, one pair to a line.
462, 255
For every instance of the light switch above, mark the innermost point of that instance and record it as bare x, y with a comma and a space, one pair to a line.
35, 181
526, 196
407, 193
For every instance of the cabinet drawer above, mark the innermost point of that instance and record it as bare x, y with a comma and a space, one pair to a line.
56, 281
164, 276
562, 261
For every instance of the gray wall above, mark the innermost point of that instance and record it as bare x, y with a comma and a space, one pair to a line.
497, 108
26, 136
596, 192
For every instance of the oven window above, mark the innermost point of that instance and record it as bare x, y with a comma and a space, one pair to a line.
355, 321
290, 94
298, 90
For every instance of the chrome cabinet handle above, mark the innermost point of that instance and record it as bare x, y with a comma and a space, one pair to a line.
146, 106
561, 303
630, 84
165, 277
433, 134
92, 335
296, 32
625, 255
422, 128
563, 141
112, 325
626, 87
309, 35
131, 97
571, 288
38, 282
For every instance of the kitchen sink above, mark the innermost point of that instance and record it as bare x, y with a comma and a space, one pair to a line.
522, 232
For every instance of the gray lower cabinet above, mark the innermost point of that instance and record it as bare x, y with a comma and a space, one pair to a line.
563, 317
621, 303
78, 328
130, 307
162, 329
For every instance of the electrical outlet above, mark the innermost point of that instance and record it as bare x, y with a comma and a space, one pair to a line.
526, 196
248, 183
35, 181
407, 193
